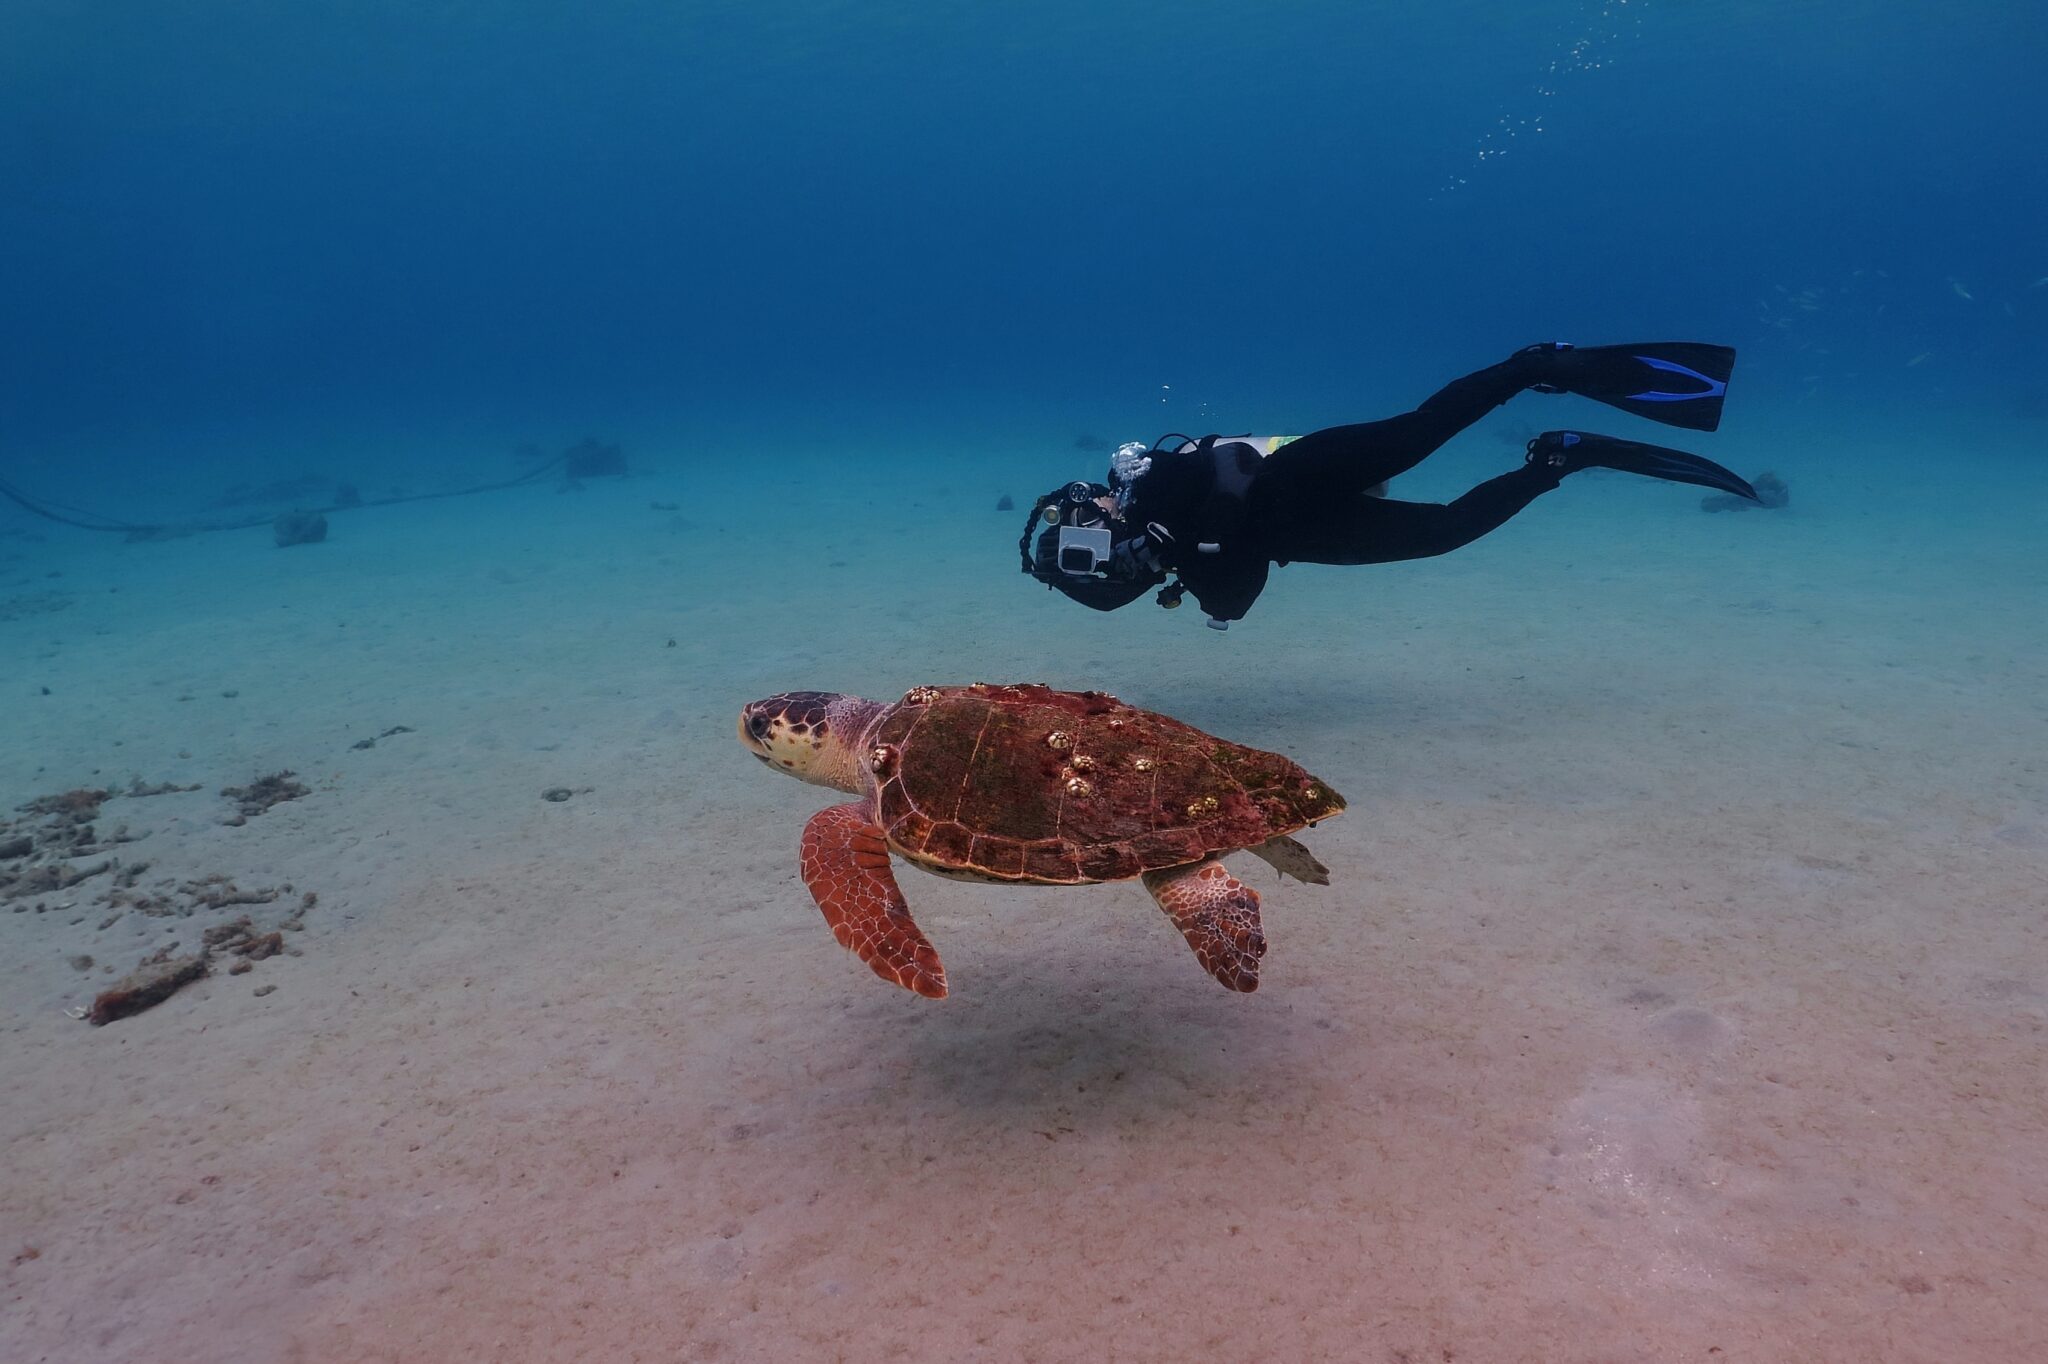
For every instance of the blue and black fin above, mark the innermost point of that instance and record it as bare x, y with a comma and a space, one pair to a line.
1567, 452
1679, 383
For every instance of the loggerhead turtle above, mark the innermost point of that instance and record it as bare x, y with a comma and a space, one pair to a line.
1030, 785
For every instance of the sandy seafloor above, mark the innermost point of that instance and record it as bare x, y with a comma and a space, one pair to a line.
1680, 996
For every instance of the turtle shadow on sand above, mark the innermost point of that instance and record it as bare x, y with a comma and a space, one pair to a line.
1124, 1045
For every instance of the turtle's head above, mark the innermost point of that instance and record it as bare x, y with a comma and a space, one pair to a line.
812, 735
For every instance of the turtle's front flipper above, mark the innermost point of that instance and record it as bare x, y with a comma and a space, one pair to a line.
1289, 858
1218, 915
846, 865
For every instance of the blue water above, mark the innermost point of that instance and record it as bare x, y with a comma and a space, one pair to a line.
1680, 986
245, 232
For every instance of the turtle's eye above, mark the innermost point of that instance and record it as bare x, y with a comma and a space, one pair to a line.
757, 725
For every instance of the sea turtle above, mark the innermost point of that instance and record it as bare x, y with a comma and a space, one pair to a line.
1025, 784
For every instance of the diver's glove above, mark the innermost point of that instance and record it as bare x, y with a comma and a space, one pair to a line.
1143, 555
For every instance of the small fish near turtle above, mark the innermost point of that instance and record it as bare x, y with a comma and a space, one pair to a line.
1024, 785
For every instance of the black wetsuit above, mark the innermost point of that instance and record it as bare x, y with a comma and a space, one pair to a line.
1308, 501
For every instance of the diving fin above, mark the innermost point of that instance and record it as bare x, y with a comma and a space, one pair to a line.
1679, 383
1567, 452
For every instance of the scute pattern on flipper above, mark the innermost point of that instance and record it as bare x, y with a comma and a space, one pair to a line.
845, 863
1218, 915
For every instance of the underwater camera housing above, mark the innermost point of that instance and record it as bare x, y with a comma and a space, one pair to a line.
1075, 539
1083, 549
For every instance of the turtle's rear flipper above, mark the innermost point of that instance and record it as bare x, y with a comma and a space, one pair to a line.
1218, 915
1289, 858
846, 865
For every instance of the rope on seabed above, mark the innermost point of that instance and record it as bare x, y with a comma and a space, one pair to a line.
55, 511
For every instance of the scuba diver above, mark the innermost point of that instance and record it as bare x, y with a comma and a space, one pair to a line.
1213, 513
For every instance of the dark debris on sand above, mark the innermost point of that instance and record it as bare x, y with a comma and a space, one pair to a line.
147, 985
138, 787
60, 867
81, 806
372, 742
264, 792
36, 850
241, 941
